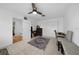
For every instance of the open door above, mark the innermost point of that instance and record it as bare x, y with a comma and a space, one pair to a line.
17, 30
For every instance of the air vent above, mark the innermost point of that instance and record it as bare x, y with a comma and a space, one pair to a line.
25, 18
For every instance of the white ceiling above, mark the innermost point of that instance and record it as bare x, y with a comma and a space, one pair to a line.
51, 10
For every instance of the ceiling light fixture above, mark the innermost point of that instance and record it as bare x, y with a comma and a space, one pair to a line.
34, 12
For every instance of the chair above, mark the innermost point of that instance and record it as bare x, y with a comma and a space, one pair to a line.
69, 35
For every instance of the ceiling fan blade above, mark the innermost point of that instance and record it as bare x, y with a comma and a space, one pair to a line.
30, 12
40, 13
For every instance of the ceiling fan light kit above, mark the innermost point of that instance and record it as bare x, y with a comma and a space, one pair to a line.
34, 13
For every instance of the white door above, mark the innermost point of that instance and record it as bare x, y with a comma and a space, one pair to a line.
26, 30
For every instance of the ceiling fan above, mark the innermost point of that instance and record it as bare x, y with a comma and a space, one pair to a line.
35, 11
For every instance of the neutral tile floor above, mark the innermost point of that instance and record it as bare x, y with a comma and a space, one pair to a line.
23, 48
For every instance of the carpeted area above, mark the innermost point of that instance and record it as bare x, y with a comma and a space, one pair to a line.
39, 42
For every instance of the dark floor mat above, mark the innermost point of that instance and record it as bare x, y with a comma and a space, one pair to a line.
39, 42
4, 51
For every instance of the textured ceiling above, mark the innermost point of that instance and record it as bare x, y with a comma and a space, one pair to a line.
51, 10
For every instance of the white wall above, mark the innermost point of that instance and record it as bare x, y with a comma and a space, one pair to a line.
50, 25
71, 22
60, 24
6, 27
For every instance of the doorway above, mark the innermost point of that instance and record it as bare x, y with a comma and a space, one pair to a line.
17, 30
